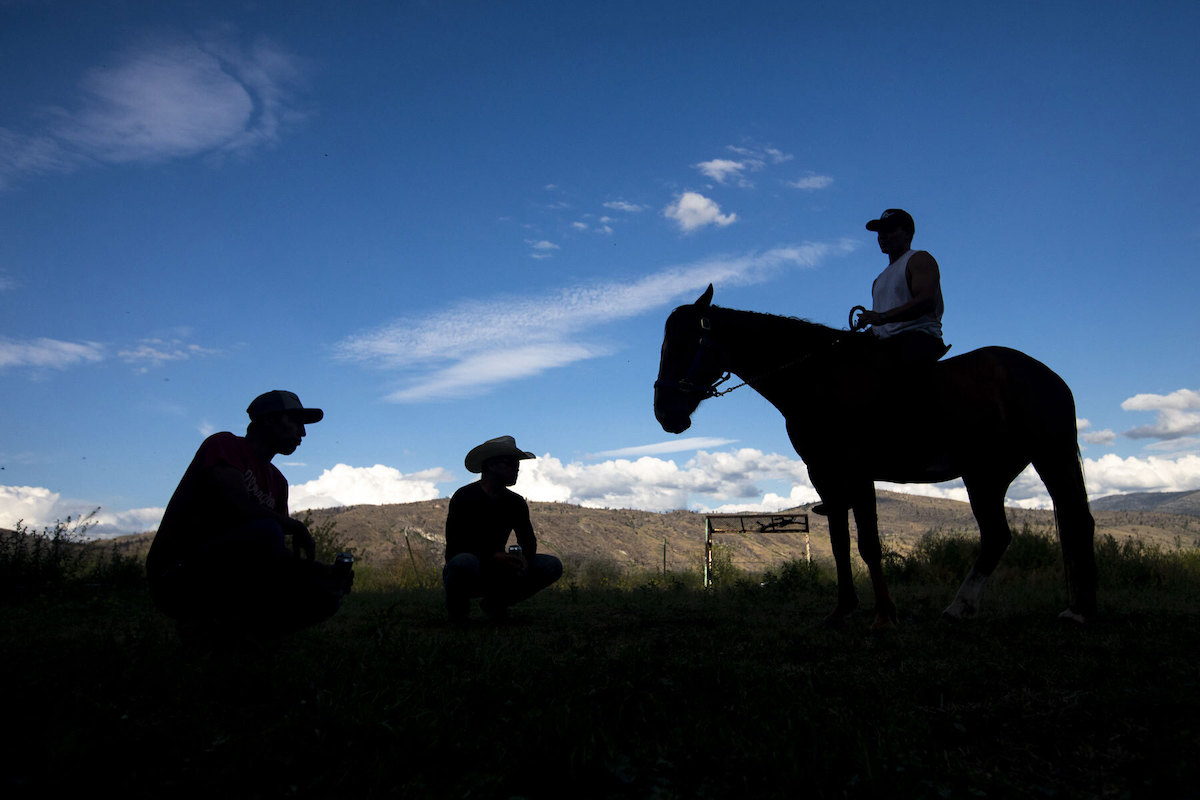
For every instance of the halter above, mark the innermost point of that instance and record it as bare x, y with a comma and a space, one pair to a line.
687, 384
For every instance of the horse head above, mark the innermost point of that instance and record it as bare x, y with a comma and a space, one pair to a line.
690, 366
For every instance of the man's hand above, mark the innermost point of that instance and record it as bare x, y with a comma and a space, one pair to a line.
510, 562
302, 540
870, 318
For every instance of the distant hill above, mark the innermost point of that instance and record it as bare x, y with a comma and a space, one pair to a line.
404, 533
636, 538
1166, 502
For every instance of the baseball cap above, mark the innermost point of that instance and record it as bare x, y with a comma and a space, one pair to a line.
281, 400
893, 218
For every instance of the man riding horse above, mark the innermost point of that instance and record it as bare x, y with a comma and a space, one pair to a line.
906, 298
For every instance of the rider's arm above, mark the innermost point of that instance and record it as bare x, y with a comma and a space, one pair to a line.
230, 486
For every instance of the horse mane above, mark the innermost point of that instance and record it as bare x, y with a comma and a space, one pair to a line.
794, 331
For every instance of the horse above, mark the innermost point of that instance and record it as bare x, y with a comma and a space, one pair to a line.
983, 416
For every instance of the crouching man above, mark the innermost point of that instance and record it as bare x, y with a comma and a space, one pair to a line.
480, 518
220, 563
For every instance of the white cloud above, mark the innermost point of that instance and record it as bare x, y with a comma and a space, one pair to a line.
475, 345
655, 484
671, 446
622, 205
344, 485
772, 154
737, 480
811, 182
1178, 414
692, 211
723, 169
40, 509
51, 353
1103, 437
161, 100
543, 248
579, 226
476, 373
156, 352
743, 479
1094, 437
34, 505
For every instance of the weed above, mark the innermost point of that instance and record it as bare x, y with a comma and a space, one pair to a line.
36, 562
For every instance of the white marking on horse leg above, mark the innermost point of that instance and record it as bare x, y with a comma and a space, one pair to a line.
966, 602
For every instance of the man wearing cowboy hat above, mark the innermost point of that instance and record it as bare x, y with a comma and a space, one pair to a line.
219, 563
480, 518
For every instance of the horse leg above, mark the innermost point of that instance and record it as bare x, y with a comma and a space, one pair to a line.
867, 519
1076, 531
987, 504
839, 540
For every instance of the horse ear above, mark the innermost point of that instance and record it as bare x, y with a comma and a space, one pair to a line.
706, 299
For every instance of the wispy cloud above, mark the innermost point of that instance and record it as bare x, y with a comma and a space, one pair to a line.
692, 211
161, 100
671, 446
150, 353
811, 182
622, 205
57, 354
752, 158
542, 249
475, 346
49, 353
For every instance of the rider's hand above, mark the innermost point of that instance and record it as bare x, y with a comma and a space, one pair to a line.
870, 318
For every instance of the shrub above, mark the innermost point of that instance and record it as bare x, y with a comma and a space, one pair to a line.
1033, 550
36, 562
796, 576
328, 539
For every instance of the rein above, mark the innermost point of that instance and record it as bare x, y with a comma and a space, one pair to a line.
687, 385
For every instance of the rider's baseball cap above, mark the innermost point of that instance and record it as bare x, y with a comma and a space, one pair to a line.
891, 219
281, 400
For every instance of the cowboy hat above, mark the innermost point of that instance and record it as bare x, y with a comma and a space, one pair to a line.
500, 446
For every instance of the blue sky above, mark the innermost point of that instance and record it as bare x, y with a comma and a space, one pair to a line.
446, 221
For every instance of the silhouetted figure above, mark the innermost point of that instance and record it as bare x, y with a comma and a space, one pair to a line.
220, 563
480, 518
906, 298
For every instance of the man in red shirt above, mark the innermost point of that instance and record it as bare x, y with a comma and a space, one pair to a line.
478, 523
220, 560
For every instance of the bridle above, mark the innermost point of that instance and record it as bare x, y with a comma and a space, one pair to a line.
687, 383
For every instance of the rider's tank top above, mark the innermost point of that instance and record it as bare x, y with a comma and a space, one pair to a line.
891, 290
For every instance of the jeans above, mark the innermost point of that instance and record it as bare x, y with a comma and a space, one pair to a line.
247, 581
465, 576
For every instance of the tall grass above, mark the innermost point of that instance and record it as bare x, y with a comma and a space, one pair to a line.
59, 557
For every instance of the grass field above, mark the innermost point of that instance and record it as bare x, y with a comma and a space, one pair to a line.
647, 688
